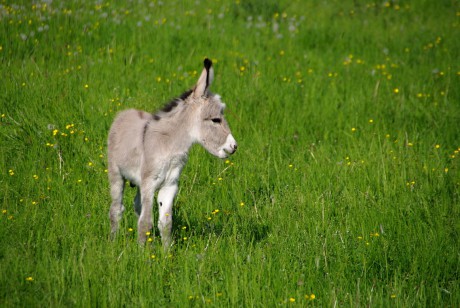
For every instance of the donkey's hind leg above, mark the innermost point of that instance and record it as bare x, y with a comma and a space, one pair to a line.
137, 202
117, 185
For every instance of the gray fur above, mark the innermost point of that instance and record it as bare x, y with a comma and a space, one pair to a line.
150, 151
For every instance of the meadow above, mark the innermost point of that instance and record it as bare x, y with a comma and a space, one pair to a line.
344, 191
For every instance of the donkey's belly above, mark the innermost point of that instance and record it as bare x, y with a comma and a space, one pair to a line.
132, 174
130, 168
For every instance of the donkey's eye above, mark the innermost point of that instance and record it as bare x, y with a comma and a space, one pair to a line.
216, 120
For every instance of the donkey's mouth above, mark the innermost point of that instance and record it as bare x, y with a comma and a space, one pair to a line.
230, 151
222, 154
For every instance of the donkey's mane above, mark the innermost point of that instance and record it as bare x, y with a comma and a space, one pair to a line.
172, 104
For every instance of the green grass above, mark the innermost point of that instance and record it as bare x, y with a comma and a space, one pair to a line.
345, 184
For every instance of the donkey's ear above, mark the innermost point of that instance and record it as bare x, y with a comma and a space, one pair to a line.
205, 80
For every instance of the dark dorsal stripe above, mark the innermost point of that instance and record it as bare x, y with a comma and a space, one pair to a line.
173, 104
186, 94
170, 106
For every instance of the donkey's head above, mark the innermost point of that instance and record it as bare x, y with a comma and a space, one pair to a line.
211, 129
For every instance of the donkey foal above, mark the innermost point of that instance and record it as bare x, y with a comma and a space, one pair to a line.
150, 151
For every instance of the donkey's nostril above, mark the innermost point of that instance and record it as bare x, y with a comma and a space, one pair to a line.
235, 146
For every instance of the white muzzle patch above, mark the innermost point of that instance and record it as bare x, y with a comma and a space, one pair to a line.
228, 148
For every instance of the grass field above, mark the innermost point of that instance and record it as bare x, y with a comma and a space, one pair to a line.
344, 190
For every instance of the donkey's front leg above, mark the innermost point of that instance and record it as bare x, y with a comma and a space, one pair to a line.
144, 223
165, 203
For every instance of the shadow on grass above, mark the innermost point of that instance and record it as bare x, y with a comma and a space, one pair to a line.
246, 229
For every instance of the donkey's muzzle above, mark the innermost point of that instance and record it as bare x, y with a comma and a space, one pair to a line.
231, 144
229, 147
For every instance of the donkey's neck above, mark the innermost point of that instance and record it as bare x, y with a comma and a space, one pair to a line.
172, 132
